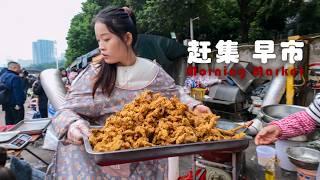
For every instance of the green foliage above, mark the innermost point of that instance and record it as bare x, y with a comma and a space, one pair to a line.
221, 20
81, 38
239, 20
163, 16
308, 18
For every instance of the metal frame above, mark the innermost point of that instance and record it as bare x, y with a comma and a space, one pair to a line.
199, 162
36, 156
31, 141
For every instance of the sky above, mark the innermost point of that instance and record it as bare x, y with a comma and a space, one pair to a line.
25, 21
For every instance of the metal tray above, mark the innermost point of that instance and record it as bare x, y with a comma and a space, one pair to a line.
226, 125
6, 136
148, 153
34, 126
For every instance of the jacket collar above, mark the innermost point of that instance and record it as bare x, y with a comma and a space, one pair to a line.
13, 72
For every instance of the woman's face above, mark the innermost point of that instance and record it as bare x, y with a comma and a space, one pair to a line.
112, 48
63, 73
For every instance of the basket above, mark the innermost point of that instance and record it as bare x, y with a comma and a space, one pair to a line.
198, 93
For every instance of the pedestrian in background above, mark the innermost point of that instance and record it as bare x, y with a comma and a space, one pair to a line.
24, 74
42, 98
14, 109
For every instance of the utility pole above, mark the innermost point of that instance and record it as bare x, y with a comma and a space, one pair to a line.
191, 27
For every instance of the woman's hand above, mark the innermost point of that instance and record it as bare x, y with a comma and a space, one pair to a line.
200, 109
268, 135
77, 130
67, 87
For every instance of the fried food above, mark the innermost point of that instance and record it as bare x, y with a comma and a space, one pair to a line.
153, 120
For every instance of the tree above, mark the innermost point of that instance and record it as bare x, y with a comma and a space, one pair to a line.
307, 17
239, 20
273, 16
81, 38
221, 20
163, 16
247, 12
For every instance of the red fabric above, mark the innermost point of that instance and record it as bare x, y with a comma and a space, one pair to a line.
6, 128
296, 124
189, 175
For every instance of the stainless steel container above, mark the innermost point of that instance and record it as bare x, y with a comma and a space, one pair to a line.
303, 157
32, 126
276, 112
180, 73
279, 111
226, 93
242, 83
275, 91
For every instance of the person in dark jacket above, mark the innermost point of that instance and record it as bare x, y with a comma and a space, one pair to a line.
162, 49
42, 98
24, 76
14, 109
3, 70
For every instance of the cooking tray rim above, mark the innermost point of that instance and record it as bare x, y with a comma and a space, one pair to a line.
158, 152
223, 123
8, 133
36, 131
89, 149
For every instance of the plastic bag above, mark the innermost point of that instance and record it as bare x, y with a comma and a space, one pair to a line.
199, 81
50, 139
36, 115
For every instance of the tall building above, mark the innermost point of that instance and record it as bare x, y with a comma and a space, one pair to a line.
25, 62
43, 51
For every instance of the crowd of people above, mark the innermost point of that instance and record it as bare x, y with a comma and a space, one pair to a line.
15, 86
15, 83
18, 85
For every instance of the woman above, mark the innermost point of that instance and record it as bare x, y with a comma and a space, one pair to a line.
6, 174
103, 89
3, 157
300, 123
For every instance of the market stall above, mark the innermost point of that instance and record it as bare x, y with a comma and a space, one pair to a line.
17, 138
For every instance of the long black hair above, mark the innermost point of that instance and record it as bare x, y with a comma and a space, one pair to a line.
3, 156
6, 174
119, 21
